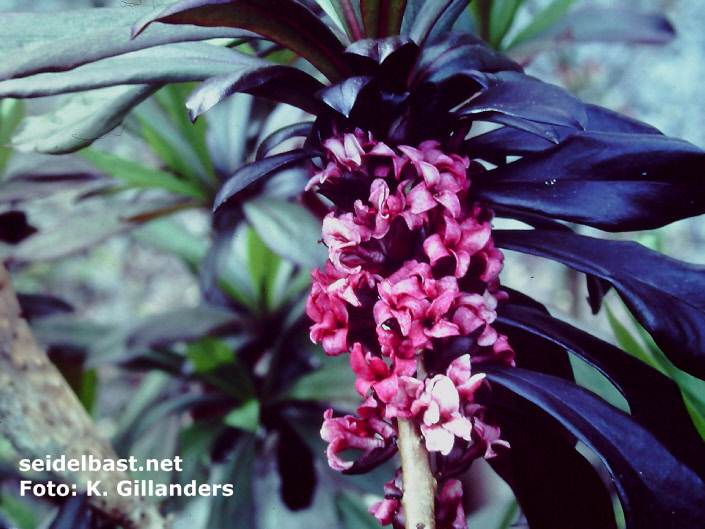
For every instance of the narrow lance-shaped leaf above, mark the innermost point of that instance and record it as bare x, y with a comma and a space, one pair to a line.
611, 181
655, 489
666, 296
654, 399
83, 119
285, 22
599, 24
171, 63
254, 171
283, 84
62, 40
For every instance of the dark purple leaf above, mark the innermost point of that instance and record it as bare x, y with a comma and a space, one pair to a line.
296, 467
278, 137
554, 484
654, 399
39, 306
615, 182
387, 60
342, 97
254, 171
516, 95
455, 53
655, 489
283, 84
14, 227
603, 120
285, 22
666, 296
503, 142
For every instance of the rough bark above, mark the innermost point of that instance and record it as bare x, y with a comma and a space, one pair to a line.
41, 416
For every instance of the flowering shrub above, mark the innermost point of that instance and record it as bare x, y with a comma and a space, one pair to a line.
407, 183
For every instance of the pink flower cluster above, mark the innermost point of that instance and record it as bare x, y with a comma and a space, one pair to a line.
412, 267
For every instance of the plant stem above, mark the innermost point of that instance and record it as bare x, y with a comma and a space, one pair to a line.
418, 481
419, 485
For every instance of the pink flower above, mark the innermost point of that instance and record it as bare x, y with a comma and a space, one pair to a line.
449, 501
439, 406
460, 240
349, 432
389, 510
383, 209
329, 314
346, 151
418, 304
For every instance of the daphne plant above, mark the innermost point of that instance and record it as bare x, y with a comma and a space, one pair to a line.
407, 178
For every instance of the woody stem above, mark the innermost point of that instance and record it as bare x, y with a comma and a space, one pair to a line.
419, 485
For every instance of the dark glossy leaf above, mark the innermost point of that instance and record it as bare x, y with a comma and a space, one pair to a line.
343, 96
296, 467
459, 52
555, 485
74, 514
599, 24
615, 182
180, 325
62, 40
497, 144
519, 96
171, 63
14, 227
655, 489
666, 296
39, 306
600, 119
81, 120
285, 22
283, 84
281, 135
654, 399
254, 171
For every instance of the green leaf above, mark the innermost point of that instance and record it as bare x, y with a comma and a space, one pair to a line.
543, 20
693, 389
245, 417
370, 10
333, 9
85, 228
11, 113
172, 98
171, 63
19, 512
62, 40
209, 353
139, 175
236, 511
285, 22
81, 120
168, 236
333, 382
502, 15
288, 229
169, 143
353, 512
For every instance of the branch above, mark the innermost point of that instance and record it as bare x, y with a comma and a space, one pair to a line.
41, 416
